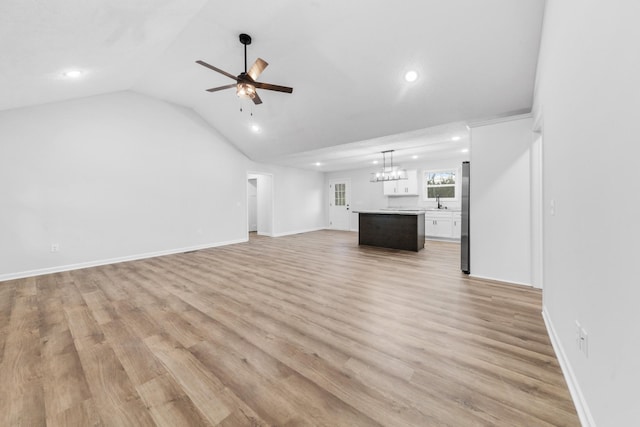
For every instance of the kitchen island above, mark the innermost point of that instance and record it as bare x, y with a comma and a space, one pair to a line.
396, 229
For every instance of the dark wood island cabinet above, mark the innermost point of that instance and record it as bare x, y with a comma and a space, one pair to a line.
392, 229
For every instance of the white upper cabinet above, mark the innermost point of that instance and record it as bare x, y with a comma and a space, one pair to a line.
390, 188
403, 187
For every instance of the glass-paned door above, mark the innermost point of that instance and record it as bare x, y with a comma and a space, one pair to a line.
339, 213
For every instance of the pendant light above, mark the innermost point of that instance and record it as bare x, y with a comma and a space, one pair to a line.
388, 171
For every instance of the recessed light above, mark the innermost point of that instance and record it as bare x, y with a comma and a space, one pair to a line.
464, 150
255, 128
411, 76
318, 164
456, 138
375, 162
72, 74
414, 157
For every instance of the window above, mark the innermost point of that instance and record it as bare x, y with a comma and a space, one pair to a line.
340, 197
440, 183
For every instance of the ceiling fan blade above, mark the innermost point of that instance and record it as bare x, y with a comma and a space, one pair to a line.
229, 86
211, 67
269, 86
257, 68
256, 99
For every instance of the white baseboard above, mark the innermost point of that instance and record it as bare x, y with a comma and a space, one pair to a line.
69, 267
289, 233
508, 282
329, 228
586, 419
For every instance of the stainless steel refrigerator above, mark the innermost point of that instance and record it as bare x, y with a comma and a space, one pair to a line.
464, 238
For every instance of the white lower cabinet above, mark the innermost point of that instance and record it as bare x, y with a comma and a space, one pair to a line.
442, 224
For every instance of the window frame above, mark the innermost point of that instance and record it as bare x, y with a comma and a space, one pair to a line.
456, 185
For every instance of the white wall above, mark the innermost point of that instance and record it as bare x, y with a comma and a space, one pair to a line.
297, 199
123, 176
113, 176
369, 195
588, 100
500, 224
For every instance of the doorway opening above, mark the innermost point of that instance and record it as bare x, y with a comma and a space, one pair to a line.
260, 203
252, 204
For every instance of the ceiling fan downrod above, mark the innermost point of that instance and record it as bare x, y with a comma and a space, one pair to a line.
245, 39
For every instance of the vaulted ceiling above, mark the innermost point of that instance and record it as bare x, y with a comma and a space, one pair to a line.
345, 60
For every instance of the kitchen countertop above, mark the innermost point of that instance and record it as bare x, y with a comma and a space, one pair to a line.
390, 212
405, 211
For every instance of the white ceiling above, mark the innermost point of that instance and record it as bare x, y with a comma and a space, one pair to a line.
345, 61
434, 143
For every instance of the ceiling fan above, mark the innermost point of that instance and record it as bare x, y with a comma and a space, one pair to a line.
246, 83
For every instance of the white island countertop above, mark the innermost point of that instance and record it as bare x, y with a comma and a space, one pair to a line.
405, 211
390, 212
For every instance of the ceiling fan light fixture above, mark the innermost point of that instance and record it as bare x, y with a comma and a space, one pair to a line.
246, 90
246, 81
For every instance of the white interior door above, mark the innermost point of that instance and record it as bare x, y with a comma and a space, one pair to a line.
339, 212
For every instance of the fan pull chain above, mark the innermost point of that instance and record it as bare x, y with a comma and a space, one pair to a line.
241, 102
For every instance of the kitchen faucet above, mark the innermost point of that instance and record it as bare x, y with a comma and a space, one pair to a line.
438, 201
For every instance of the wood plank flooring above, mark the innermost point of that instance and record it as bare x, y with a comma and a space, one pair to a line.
306, 330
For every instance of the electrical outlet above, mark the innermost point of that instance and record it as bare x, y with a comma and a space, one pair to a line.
55, 247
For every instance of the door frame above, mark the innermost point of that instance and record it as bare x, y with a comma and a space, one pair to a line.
269, 204
537, 209
333, 181
249, 210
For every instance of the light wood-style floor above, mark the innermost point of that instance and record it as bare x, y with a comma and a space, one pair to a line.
308, 329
